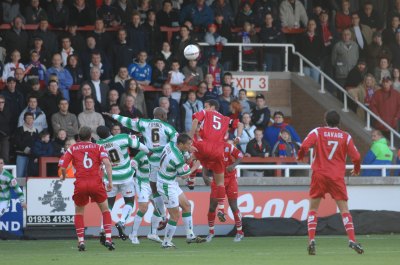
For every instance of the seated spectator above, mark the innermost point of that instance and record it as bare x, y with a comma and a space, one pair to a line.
35, 69
42, 147
248, 132
120, 79
159, 73
247, 105
97, 61
34, 12
15, 101
261, 114
58, 14
24, 139
109, 14
75, 69
173, 117
360, 34
125, 8
271, 133
389, 34
49, 37
44, 53
99, 89
191, 106
292, 14
113, 97
64, 77
257, 147
133, 89
78, 106
369, 17
193, 73
50, 101
250, 54
285, 147
90, 118
215, 69
215, 40
70, 168
343, 17
377, 50
140, 70
225, 100
59, 143
245, 15
356, 75
66, 50
378, 154
128, 108
39, 116
386, 104
396, 78
64, 120
34, 89
201, 91
176, 78
16, 38
5, 129
9, 68
81, 13
383, 70
121, 53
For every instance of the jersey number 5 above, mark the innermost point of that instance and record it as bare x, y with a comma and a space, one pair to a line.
335, 145
216, 122
87, 161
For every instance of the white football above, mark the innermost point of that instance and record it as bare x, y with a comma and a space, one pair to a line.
191, 52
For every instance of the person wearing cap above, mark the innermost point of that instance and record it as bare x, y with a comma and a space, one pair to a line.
261, 114
43, 53
356, 75
271, 133
376, 50
14, 99
386, 104
384, 69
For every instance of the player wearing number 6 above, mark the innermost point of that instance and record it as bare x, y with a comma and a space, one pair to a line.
87, 158
331, 146
122, 173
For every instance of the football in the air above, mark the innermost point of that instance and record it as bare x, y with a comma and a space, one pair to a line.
191, 52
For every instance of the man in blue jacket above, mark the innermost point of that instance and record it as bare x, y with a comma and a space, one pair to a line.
378, 154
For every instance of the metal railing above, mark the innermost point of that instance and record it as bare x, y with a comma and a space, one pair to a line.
323, 75
287, 168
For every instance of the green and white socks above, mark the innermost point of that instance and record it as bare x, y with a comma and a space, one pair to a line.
126, 212
188, 222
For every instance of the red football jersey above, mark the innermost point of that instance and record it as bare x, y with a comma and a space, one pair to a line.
86, 158
231, 153
213, 125
331, 147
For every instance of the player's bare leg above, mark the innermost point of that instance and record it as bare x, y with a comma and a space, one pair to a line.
312, 221
188, 220
159, 206
219, 181
107, 224
80, 227
238, 220
348, 225
211, 219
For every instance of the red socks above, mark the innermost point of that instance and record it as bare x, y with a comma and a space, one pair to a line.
107, 225
312, 224
348, 225
79, 227
221, 197
211, 221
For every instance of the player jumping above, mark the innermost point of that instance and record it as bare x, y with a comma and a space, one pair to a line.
117, 147
331, 146
87, 158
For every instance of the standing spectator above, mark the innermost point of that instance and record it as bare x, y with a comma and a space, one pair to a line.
356, 75
42, 147
383, 70
386, 104
34, 12
24, 139
137, 36
248, 132
113, 98
224, 8
154, 36
361, 34
75, 69
370, 17
39, 116
59, 143
378, 154
245, 15
190, 107
143, 7
167, 16
50, 101
66, 49
165, 54
64, 77
292, 14
213, 91
199, 13
10, 10
9, 68
389, 34
34, 69
215, 70
86, 54
173, 117
125, 8
193, 73
271, 133
263, 7
285, 147
257, 147
394, 11
5, 129
344, 57
58, 14
261, 114
16, 38
103, 38
97, 61
90, 118
140, 70
78, 106
228, 53
81, 13
22, 85
377, 50
129, 109
343, 17
34, 89
99, 89
64, 120
225, 100
228, 79
396, 78
270, 33
77, 40
15, 101
311, 46
109, 14
159, 73
121, 52
395, 49
247, 105
328, 34
173, 106
215, 41
249, 54
201, 91
120, 80
176, 78
49, 38
179, 44
132, 88
44, 53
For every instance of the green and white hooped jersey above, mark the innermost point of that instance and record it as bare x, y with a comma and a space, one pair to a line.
141, 163
156, 133
172, 164
8, 182
117, 148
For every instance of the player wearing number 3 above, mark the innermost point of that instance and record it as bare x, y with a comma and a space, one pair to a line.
331, 146
87, 158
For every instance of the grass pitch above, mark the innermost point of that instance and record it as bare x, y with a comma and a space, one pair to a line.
379, 249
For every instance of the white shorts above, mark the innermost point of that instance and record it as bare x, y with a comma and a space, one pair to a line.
127, 190
4, 207
143, 191
153, 172
169, 193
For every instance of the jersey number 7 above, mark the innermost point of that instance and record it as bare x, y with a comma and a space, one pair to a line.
335, 145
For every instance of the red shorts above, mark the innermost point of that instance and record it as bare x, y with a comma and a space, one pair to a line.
320, 185
85, 189
211, 156
231, 188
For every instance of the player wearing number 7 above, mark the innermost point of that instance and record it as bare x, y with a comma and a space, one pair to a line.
87, 158
331, 146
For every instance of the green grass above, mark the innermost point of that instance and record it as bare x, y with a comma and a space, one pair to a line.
379, 249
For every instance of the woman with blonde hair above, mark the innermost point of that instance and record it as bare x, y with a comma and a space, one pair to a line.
133, 88
363, 93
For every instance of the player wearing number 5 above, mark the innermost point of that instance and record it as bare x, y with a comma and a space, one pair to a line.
87, 158
122, 173
331, 146
157, 133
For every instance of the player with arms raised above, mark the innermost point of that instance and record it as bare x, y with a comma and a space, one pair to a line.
122, 173
331, 147
213, 130
87, 159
